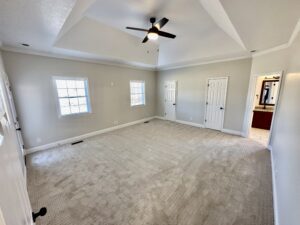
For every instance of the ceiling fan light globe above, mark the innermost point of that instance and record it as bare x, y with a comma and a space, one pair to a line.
152, 36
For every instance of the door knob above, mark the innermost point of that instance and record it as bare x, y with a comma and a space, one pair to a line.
221, 108
42, 212
174, 103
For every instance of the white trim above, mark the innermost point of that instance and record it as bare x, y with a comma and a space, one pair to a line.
227, 131
189, 123
84, 136
91, 59
233, 132
160, 117
193, 63
274, 186
270, 147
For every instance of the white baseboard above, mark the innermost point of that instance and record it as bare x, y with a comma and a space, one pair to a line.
182, 122
228, 131
81, 137
275, 199
189, 123
233, 132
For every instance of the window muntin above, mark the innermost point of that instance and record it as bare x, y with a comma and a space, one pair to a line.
72, 95
137, 93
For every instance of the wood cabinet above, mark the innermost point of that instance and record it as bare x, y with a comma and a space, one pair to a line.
262, 119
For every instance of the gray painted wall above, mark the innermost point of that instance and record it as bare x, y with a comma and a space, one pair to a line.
192, 83
31, 79
286, 131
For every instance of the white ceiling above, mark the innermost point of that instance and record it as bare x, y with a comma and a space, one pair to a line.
206, 30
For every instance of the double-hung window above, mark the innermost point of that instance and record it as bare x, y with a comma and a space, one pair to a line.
137, 92
73, 97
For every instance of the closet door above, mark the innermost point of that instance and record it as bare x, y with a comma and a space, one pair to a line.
215, 103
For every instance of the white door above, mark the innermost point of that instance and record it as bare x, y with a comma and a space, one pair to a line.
215, 103
15, 121
14, 201
170, 100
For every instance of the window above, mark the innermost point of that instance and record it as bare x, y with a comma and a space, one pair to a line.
137, 93
72, 95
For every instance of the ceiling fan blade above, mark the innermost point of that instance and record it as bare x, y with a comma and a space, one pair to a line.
134, 28
161, 23
145, 39
165, 34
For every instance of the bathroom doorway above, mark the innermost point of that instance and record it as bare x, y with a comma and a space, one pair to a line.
265, 94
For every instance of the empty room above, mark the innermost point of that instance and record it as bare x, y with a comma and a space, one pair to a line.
149, 112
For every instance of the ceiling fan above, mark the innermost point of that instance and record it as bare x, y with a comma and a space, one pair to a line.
155, 31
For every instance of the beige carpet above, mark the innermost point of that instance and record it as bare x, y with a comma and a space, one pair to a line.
160, 173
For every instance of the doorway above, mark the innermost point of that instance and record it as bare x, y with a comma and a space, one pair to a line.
170, 100
264, 95
215, 102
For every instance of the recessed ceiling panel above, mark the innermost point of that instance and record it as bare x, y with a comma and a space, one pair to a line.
263, 24
91, 36
197, 34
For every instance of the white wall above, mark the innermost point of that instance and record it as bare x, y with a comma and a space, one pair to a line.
192, 83
31, 79
286, 132
14, 201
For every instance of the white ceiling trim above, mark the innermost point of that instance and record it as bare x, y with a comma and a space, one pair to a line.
284, 46
193, 63
217, 12
109, 62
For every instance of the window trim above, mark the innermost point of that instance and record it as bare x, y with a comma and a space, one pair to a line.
86, 81
138, 81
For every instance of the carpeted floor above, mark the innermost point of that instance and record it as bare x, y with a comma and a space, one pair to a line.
160, 173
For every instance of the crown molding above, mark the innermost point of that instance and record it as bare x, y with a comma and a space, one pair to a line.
107, 62
194, 63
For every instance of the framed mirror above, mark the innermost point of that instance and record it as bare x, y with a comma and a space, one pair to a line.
269, 92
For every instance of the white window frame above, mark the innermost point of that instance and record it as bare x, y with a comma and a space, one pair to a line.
138, 81
86, 81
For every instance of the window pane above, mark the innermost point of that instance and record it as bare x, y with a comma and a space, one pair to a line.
62, 93
82, 101
71, 84
72, 92
68, 96
61, 84
64, 102
65, 110
73, 101
83, 108
79, 84
137, 91
81, 92
74, 109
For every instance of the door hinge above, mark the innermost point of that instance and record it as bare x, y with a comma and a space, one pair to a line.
206, 103
207, 85
205, 120
165, 113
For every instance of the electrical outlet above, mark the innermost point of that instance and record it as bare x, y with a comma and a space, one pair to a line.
38, 140
191, 118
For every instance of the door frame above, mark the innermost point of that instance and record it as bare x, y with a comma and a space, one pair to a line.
250, 103
176, 91
206, 96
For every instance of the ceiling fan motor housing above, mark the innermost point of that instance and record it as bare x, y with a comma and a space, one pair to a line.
152, 20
